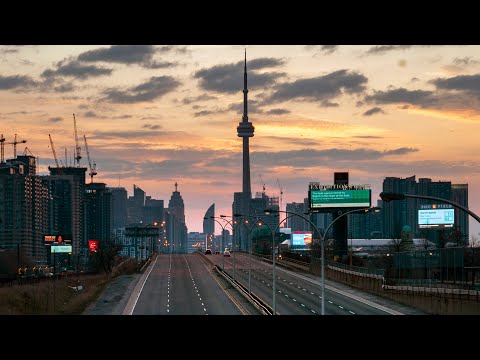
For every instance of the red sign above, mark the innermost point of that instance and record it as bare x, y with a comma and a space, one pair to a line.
92, 246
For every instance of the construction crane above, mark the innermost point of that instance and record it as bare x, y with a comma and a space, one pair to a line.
2, 143
53, 151
14, 143
281, 193
77, 147
92, 168
263, 184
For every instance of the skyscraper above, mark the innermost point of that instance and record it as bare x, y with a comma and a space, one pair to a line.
98, 203
245, 129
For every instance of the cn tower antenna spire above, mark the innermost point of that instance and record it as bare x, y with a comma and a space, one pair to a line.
245, 130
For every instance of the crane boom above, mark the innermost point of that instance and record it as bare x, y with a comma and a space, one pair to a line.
92, 168
53, 150
263, 184
15, 142
2, 143
281, 193
77, 146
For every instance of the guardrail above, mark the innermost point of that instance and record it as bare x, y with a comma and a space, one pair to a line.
264, 308
380, 273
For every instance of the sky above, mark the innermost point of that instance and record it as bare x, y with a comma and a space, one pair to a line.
154, 115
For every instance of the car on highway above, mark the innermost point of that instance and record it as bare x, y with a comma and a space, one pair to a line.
208, 252
226, 253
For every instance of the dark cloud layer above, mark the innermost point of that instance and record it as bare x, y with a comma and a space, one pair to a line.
154, 88
229, 77
77, 70
467, 83
20, 82
128, 54
322, 88
401, 95
373, 111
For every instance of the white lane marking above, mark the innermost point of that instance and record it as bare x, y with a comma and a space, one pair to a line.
330, 302
313, 311
302, 305
312, 293
304, 290
294, 299
127, 311
344, 293
351, 312
341, 307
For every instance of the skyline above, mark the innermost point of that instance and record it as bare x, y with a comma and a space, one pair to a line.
156, 115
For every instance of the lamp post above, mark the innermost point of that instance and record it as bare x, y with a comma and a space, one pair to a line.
389, 196
257, 219
322, 241
234, 244
223, 236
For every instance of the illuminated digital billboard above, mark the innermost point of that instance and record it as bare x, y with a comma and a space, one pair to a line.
301, 238
92, 246
338, 198
61, 248
436, 216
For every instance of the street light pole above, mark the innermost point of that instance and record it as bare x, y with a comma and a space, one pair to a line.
322, 242
388, 196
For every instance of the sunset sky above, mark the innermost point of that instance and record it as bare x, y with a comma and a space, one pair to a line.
156, 115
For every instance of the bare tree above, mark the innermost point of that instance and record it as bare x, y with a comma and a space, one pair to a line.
105, 256
424, 242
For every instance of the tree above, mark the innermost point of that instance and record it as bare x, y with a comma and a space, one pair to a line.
105, 255
456, 236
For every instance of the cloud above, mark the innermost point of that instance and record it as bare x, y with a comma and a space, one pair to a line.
466, 83
128, 54
151, 127
228, 78
367, 137
465, 61
326, 103
402, 95
382, 49
203, 97
55, 119
65, 87
90, 114
154, 88
277, 112
262, 63
322, 88
205, 113
325, 49
16, 82
6, 51
127, 134
76, 70
373, 111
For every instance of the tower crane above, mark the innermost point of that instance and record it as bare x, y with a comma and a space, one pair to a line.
2, 143
263, 184
77, 147
281, 193
92, 168
53, 151
14, 143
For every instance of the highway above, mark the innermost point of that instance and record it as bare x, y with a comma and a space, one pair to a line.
182, 284
296, 294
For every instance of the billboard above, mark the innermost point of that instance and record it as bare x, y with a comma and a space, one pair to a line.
436, 216
92, 246
61, 248
57, 239
301, 238
339, 198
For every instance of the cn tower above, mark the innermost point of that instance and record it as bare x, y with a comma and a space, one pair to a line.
245, 130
